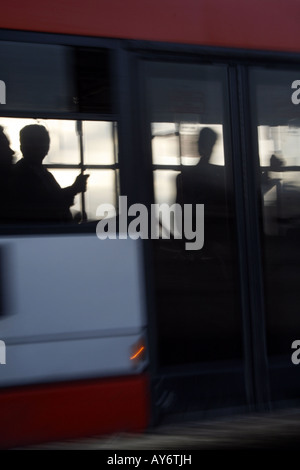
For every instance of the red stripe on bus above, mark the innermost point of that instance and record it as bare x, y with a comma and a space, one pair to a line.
55, 412
254, 24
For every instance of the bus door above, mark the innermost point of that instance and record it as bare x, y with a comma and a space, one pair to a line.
197, 318
274, 98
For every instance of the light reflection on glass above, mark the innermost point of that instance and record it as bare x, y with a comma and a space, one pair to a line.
165, 189
101, 190
165, 144
66, 178
175, 144
98, 143
281, 189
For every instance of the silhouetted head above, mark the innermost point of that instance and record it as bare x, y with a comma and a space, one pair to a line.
6, 153
206, 142
34, 143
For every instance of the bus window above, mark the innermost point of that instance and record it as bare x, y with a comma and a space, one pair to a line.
92, 151
276, 122
64, 96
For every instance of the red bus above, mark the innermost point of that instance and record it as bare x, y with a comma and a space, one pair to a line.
119, 333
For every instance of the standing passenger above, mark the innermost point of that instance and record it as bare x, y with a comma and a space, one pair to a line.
204, 183
6, 166
38, 196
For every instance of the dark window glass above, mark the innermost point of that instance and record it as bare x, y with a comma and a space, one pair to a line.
37, 77
198, 313
276, 122
93, 80
45, 78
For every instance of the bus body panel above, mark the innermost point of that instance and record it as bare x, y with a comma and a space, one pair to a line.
251, 24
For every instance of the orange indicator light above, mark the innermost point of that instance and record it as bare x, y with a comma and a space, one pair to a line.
138, 353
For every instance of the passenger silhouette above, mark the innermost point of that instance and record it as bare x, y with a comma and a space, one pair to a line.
6, 166
204, 183
38, 196
268, 182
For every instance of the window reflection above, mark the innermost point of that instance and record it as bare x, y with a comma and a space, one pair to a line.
93, 133
165, 143
165, 191
280, 163
102, 190
65, 178
64, 145
177, 143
